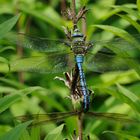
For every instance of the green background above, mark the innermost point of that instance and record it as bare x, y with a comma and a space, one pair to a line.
30, 93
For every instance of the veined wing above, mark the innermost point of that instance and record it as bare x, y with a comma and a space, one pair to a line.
119, 45
55, 55
39, 119
111, 116
37, 43
101, 62
47, 63
118, 54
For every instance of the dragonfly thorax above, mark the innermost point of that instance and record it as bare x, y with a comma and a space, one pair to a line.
79, 49
78, 42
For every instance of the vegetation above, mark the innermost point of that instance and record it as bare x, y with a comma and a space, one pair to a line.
25, 93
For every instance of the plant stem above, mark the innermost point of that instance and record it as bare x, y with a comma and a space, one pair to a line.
74, 8
84, 29
80, 126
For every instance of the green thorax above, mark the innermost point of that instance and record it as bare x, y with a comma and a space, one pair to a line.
78, 43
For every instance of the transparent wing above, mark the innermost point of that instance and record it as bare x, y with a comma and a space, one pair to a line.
55, 55
111, 116
119, 44
118, 54
37, 43
47, 63
101, 62
39, 119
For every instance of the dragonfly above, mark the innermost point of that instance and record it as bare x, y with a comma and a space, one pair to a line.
62, 55
76, 92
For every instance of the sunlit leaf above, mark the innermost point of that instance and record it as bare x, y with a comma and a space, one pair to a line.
138, 4
6, 26
44, 12
16, 132
2, 49
8, 100
129, 97
123, 135
128, 10
131, 21
35, 133
84, 2
55, 134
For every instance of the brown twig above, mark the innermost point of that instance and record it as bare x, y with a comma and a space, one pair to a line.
63, 7
84, 29
80, 126
74, 14
74, 8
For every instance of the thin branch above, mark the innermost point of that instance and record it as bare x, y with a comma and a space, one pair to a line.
84, 26
74, 8
74, 14
80, 126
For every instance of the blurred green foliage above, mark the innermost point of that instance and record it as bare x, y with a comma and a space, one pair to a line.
23, 93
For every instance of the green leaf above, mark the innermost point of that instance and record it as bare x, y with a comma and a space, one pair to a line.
83, 2
16, 133
6, 26
128, 10
6, 89
25, 135
131, 21
12, 83
125, 96
138, 4
55, 134
119, 32
35, 133
44, 12
129, 97
6, 48
4, 60
109, 79
7, 7
8, 100
123, 135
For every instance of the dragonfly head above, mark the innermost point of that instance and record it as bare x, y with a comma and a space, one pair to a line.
78, 42
77, 34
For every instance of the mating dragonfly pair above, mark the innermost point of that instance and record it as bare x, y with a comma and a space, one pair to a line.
62, 55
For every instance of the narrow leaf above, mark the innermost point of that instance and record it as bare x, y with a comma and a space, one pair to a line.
8, 100
48, 12
55, 134
6, 26
35, 133
131, 21
119, 32
129, 97
138, 4
2, 49
15, 133
123, 135
128, 10
4, 60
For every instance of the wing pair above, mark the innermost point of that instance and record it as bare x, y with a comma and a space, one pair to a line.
56, 55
